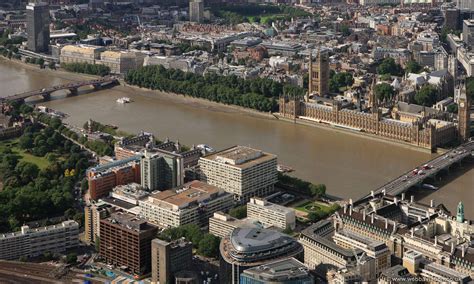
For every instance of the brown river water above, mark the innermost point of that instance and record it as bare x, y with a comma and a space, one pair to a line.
349, 165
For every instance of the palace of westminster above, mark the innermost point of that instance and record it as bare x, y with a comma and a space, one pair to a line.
408, 123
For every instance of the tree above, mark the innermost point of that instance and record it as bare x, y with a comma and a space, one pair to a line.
453, 108
71, 258
413, 67
388, 66
238, 212
384, 92
209, 246
26, 141
426, 96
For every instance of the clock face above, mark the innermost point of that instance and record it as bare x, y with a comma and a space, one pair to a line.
462, 104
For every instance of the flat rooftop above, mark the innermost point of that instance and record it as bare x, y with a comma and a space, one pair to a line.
288, 268
128, 221
195, 191
240, 156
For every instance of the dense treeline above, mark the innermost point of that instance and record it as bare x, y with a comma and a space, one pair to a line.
236, 14
30, 193
305, 187
102, 148
259, 94
86, 68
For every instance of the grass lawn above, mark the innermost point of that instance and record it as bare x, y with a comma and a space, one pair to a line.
41, 162
314, 206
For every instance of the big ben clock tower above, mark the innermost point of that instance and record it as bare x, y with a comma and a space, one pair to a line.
464, 113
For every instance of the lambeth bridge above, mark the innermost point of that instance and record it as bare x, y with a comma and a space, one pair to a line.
417, 176
72, 87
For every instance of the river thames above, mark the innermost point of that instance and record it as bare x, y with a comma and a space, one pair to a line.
349, 165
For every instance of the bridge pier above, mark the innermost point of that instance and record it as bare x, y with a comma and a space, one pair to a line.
46, 96
73, 92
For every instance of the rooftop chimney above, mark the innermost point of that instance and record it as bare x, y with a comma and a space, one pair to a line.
350, 201
412, 199
372, 193
345, 208
372, 218
363, 215
452, 247
395, 200
463, 251
403, 196
383, 191
386, 224
412, 231
431, 203
436, 240
350, 210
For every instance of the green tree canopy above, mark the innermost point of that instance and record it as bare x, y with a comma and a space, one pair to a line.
413, 67
388, 66
426, 96
384, 92
239, 212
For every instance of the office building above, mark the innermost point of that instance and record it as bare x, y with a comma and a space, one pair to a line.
221, 225
320, 252
120, 62
270, 214
161, 170
37, 14
240, 170
103, 178
196, 11
319, 74
468, 33
31, 242
125, 240
80, 54
193, 203
465, 5
93, 213
250, 247
284, 271
168, 258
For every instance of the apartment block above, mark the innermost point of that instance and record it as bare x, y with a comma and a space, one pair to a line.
93, 213
270, 214
168, 258
120, 62
193, 203
33, 242
240, 170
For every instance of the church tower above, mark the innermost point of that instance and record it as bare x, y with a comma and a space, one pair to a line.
464, 113
318, 82
460, 213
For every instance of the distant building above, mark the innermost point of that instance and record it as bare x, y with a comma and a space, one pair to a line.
103, 178
270, 214
196, 11
125, 240
168, 258
468, 33
465, 5
240, 170
161, 170
193, 203
319, 74
34, 242
250, 247
284, 271
37, 14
